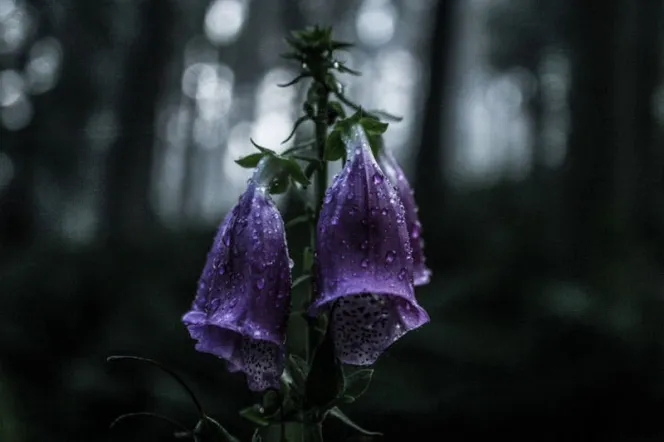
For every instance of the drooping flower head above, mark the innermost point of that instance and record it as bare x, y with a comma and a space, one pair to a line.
394, 173
364, 266
243, 298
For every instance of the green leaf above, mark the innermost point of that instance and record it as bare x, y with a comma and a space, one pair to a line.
294, 170
250, 161
357, 383
336, 412
255, 414
337, 108
257, 436
373, 126
326, 379
334, 148
346, 70
307, 260
264, 150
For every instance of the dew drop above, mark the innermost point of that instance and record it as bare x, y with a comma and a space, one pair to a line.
390, 256
227, 240
260, 283
416, 230
364, 245
214, 304
374, 211
291, 263
350, 196
377, 178
384, 212
364, 263
402, 274
358, 150
222, 270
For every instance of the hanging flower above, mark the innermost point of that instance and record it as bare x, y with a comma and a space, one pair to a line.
394, 173
364, 262
243, 298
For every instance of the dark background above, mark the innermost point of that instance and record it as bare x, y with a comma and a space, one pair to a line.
533, 135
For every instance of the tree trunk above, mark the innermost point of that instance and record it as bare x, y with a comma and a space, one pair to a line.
429, 182
128, 212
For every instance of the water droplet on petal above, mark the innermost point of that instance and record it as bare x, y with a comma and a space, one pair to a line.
214, 305
364, 245
291, 263
403, 273
390, 256
377, 178
227, 240
416, 230
260, 283
350, 196
384, 212
364, 263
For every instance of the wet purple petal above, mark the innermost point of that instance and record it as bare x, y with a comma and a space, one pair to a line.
389, 165
364, 263
243, 299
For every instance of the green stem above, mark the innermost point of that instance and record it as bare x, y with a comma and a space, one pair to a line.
320, 189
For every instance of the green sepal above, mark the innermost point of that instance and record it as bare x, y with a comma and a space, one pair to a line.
357, 383
250, 161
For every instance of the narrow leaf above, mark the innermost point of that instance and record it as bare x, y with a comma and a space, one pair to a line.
300, 280
336, 412
261, 148
294, 170
297, 123
373, 126
334, 148
250, 161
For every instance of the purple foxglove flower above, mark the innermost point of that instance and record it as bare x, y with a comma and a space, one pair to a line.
243, 298
394, 173
364, 266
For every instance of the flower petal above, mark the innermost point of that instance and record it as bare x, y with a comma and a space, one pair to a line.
243, 299
389, 165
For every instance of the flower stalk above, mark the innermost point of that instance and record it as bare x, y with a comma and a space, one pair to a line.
360, 268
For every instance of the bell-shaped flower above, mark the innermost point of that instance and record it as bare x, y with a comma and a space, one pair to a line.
364, 266
394, 173
243, 300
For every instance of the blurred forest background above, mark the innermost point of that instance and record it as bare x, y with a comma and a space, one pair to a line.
534, 137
